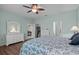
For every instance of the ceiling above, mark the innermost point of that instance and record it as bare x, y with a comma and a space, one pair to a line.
49, 9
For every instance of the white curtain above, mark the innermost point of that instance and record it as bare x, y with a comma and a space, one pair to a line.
57, 27
54, 28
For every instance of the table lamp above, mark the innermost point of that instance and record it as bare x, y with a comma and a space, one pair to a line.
75, 29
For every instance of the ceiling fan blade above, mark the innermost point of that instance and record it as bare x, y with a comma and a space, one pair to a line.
41, 9
26, 6
29, 11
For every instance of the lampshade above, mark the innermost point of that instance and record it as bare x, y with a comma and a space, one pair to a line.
74, 29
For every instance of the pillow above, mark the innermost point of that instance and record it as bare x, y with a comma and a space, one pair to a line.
75, 40
74, 36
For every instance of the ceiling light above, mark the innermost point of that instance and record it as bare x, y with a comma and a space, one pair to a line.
34, 10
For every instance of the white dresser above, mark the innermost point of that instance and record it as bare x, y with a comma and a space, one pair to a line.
14, 38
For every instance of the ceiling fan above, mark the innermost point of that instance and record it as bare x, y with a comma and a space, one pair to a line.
34, 8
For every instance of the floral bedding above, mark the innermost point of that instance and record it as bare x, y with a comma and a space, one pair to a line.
49, 46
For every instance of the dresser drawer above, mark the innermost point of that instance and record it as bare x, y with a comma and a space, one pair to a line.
14, 38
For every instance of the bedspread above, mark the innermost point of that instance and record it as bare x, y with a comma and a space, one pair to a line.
49, 46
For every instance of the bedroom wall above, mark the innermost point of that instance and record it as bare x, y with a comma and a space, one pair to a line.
7, 16
68, 19
78, 16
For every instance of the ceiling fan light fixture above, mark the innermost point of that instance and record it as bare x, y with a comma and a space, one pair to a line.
34, 10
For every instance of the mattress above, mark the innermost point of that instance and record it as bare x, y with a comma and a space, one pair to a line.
49, 46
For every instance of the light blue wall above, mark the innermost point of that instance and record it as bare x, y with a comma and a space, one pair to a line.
7, 16
78, 17
68, 19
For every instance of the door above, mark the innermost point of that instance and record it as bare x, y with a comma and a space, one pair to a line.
38, 31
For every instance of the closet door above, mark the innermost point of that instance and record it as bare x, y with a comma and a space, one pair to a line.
45, 30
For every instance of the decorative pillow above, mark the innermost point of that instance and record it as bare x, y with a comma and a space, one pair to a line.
74, 36
75, 40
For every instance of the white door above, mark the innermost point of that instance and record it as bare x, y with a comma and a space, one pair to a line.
31, 27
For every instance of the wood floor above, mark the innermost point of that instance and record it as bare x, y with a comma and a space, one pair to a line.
13, 49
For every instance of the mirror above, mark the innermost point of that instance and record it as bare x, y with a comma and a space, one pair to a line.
13, 27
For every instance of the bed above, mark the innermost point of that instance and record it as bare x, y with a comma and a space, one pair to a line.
49, 46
